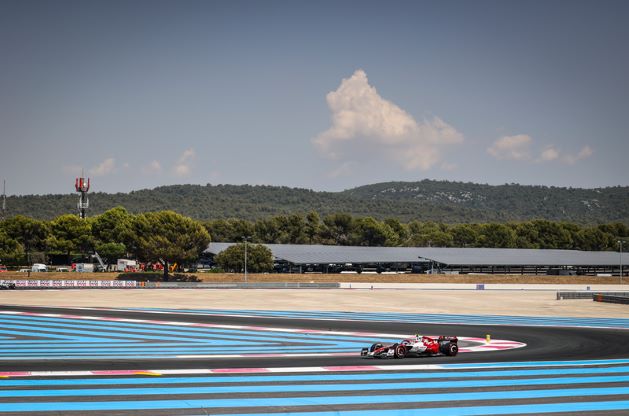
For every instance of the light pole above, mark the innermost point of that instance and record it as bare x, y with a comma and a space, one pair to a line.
245, 239
620, 242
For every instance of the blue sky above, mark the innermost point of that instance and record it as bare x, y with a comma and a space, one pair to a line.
325, 95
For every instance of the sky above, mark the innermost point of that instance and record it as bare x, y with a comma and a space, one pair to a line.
326, 95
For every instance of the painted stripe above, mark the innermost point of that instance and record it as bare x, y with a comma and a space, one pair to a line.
566, 407
306, 401
407, 367
497, 320
156, 378
300, 388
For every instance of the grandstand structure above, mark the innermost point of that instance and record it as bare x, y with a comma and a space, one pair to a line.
302, 258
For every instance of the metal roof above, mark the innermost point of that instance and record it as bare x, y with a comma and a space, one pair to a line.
521, 257
322, 254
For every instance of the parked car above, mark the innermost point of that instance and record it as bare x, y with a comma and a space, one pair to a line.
3, 269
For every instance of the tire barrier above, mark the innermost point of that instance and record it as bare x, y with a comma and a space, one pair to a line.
600, 297
587, 294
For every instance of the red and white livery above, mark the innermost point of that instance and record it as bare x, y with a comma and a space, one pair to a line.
418, 346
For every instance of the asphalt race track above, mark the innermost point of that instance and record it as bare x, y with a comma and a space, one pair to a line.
162, 362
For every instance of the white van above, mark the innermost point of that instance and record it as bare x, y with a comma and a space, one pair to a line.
39, 267
85, 267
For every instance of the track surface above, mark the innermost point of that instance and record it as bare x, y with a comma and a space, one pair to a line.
534, 379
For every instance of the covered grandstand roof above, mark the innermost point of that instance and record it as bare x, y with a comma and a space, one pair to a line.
520, 257
321, 254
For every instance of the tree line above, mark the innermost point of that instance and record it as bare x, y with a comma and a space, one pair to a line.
169, 237
165, 237
344, 229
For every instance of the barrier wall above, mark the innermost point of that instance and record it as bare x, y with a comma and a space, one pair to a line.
74, 284
241, 285
123, 284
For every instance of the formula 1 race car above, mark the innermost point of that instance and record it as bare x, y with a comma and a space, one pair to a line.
419, 346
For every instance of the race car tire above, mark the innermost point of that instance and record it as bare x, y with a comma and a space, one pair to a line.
375, 347
452, 350
400, 351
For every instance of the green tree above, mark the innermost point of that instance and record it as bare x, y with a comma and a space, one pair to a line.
369, 232
29, 232
229, 230
616, 229
463, 235
219, 230
240, 228
112, 226
596, 240
70, 234
337, 229
111, 251
552, 235
169, 237
526, 235
496, 236
312, 226
232, 259
429, 234
293, 229
11, 251
268, 230
401, 232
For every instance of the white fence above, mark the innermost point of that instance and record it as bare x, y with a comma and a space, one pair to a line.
71, 283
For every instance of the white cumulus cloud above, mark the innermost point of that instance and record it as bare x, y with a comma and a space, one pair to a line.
584, 153
361, 118
106, 167
511, 147
183, 167
152, 168
548, 154
518, 147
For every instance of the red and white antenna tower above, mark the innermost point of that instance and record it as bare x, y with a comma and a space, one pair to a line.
82, 186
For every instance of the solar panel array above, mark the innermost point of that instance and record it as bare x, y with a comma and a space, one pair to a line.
325, 254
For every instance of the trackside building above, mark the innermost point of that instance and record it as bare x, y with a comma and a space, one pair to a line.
304, 258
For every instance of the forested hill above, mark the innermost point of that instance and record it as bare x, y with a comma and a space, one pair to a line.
449, 202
